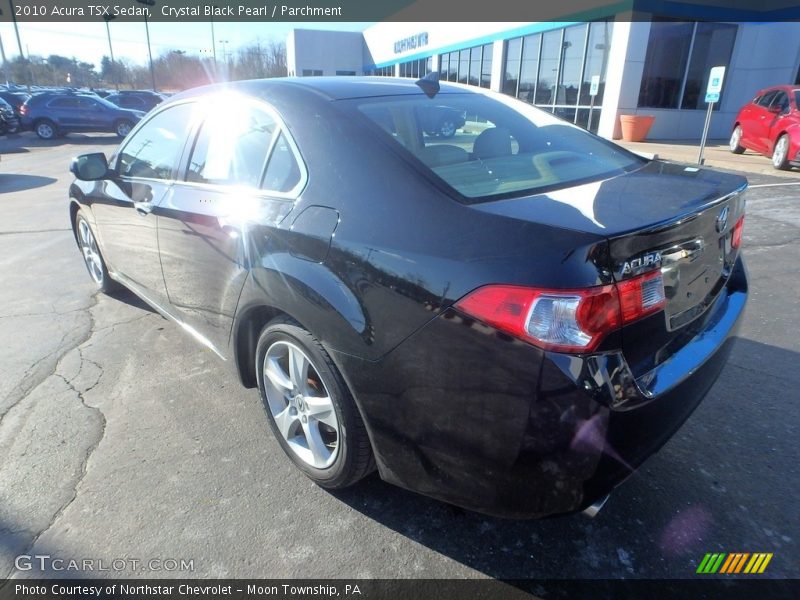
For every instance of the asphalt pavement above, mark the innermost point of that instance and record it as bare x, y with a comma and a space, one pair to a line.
121, 438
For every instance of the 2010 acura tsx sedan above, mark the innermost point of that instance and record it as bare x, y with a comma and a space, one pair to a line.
511, 319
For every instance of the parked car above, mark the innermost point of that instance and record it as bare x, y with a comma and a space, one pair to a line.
144, 101
441, 120
770, 125
15, 99
512, 324
9, 123
51, 114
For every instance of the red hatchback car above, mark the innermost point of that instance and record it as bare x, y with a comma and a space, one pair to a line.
770, 125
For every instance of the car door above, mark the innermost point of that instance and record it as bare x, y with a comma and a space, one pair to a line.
65, 112
778, 110
94, 116
145, 166
204, 225
758, 124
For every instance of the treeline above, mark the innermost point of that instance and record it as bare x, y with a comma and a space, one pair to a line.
174, 70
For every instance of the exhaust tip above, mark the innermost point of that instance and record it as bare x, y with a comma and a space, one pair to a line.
594, 509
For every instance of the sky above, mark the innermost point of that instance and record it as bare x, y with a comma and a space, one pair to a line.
87, 41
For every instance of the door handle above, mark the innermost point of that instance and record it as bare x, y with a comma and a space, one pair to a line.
143, 208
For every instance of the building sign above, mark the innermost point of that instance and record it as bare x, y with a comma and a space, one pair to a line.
411, 43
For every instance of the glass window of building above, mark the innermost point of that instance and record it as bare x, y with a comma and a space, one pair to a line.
596, 61
486, 66
529, 67
554, 69
548, 67
679, 58
463, 66
511, 67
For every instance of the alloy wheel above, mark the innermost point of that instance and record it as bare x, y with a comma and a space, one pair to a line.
779, 154
123, 129
45, 131
91, 254
736, 137
300, 405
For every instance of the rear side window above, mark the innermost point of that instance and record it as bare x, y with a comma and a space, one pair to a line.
283, 172
63, 103
485, 147
243, 146
232, 147
152, 152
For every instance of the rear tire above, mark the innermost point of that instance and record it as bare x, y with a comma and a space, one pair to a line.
123, 128
46, 129
780, 153
309, 408
92, 257
735, 142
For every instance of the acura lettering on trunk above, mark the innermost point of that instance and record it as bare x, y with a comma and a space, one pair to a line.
511, 318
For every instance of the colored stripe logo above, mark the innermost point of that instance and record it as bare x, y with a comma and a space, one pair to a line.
734, 563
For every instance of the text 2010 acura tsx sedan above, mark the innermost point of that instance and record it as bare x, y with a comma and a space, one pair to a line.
511, 319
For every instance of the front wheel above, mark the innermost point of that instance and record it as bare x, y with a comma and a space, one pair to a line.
780, 154
735, 142
309, 408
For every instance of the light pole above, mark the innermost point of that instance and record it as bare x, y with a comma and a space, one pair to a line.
107, 18
147, 32
214, 45
224, 44
16, 31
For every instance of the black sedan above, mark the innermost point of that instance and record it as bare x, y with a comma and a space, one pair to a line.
511, 321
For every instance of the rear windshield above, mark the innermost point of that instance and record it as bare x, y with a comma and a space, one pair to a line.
488, 147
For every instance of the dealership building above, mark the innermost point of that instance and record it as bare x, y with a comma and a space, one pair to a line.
587, 72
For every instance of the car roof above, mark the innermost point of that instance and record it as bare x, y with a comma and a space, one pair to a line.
333, 88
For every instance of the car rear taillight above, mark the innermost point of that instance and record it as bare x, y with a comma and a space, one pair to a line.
23, 110
565, 320
738, 229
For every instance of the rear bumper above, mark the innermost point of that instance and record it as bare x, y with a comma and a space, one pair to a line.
470, 416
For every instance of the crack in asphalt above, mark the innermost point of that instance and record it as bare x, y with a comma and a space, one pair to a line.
81, 397
34, 376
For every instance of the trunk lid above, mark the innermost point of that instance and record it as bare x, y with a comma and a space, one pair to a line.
679, 217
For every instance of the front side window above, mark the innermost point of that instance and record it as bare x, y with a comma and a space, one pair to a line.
231, 147
153, 151
781, 101
503, 147
766, 99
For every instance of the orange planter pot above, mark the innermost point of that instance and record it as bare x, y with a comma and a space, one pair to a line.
635, 127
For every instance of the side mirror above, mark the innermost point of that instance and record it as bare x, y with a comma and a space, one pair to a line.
90, 167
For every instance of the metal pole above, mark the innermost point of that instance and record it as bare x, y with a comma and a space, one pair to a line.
214, 46
5, 62
111, 51
16, 31
700, 159
150, 54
